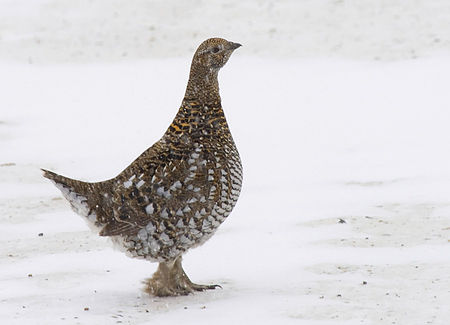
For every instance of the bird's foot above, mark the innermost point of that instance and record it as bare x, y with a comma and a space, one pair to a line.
181, 288
171, 280
203, 287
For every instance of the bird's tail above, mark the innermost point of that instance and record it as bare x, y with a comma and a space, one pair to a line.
78, 193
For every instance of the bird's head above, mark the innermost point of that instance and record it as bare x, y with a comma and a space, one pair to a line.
214, 53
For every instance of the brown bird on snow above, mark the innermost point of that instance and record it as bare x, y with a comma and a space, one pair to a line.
174, 195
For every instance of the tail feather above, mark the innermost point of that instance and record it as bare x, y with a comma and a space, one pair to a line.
78, 193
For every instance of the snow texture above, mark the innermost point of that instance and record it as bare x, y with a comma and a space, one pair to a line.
344, 215
101, 30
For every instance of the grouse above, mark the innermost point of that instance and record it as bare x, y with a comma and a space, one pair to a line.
175, 195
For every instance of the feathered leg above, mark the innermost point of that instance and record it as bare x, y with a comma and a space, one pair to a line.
171, 280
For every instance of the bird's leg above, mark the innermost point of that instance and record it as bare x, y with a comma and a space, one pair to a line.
171, 280
188, 282
158, 284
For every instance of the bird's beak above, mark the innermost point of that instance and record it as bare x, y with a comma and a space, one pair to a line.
233, 46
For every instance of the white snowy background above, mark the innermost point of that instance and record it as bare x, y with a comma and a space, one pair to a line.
340, 110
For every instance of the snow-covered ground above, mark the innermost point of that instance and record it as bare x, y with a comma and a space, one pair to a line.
66, 31
344, 216
320, 141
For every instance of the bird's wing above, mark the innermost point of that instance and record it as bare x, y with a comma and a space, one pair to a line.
163, 184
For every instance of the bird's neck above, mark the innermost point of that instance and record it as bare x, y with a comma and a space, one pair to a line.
203, 86
201, 108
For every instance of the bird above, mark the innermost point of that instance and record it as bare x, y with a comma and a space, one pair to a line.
174, 196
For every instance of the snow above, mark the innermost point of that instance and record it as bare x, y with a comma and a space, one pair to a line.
66, 31
321, 139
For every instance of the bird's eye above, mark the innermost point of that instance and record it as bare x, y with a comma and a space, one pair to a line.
215, 49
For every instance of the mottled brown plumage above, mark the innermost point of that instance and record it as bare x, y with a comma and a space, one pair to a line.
175, 195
